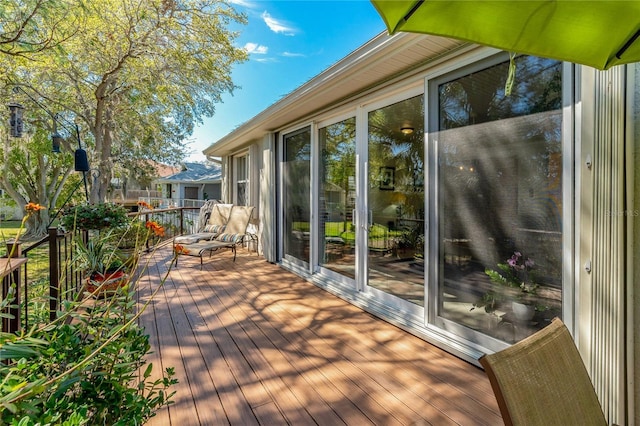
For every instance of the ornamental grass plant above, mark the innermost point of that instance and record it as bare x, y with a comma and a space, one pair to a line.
85, 367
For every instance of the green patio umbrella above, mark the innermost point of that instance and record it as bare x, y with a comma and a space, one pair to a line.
595, 33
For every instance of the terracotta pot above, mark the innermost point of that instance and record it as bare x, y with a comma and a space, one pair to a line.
108, 283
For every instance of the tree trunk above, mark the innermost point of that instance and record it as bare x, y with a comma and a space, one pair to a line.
37, 225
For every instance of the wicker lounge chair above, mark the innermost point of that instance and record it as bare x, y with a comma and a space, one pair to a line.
542, 380
234, 234
211, 223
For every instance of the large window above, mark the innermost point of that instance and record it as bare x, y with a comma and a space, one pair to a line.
500, 191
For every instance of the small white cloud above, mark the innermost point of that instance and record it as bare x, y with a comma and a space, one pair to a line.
266, 60
244, 3
293, 55
256, 48
276, 26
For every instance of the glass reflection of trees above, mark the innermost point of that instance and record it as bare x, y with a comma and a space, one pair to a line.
396, 139
499, 170
296, 193
337, 175
338, 168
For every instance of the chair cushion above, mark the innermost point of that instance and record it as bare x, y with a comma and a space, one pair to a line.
194, 238
215, 229
229, 238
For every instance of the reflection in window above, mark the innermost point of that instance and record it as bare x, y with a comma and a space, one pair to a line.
500, 198
396, 199
337, 196
296, 196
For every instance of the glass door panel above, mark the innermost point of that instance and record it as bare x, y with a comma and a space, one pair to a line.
499, 206
337, 197
296, 195
395, 196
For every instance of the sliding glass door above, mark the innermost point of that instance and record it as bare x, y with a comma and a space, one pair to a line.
457, 236
395, 202
296, 196
497, 163
337, 192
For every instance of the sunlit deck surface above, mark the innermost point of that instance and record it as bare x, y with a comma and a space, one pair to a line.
254, 344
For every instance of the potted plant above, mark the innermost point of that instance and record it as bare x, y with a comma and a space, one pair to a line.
94, 216
104, 270
513, 286
411, 241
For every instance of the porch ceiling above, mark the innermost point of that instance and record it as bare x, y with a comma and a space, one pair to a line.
374, 63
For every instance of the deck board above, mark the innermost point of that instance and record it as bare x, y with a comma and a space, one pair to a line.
252, 343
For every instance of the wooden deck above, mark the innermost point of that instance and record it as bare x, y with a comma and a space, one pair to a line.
254, 344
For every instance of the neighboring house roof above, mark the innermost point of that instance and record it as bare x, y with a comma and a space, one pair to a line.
377, 63
195, 173
162, 170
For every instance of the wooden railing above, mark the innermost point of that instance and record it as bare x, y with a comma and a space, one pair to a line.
45, 270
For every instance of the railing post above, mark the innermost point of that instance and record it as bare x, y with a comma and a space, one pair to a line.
54, 273
181, 221
10, 279
14, 248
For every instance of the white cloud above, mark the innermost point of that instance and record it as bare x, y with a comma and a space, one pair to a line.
277, 26
256, 48
293, 55
244, 3
266, 60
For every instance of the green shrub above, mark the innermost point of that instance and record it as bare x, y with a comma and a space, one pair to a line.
82, 372
94, 216
86, 367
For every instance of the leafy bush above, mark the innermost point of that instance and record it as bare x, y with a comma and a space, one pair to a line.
95, 216
82, 372
86, 367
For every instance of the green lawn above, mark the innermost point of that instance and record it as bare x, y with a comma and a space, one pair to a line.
8, 230
38, 264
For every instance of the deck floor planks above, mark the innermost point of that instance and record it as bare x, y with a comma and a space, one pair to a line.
235, 402
246, 378
279, 350
147, 320
184, 314
184, 406
366, 365
346, 377
439, 393
258, 359
317, 387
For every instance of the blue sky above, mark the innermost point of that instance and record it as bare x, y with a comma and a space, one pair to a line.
289, 43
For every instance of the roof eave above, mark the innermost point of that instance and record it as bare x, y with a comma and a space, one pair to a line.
279, 114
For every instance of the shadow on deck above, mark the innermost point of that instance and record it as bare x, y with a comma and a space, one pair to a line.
254, 344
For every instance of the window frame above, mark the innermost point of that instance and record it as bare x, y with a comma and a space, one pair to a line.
237, 179
453, 332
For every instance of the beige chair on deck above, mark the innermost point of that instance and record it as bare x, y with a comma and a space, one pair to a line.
234, 234
542, 380
211, 223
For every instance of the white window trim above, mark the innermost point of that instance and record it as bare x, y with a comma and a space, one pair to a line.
235, 179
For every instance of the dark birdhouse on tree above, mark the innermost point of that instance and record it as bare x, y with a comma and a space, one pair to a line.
15, 120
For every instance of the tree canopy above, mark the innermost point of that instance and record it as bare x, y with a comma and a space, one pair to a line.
134, 75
